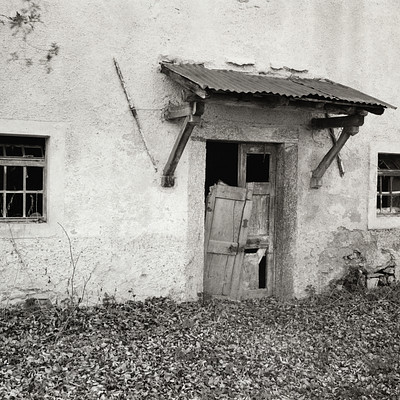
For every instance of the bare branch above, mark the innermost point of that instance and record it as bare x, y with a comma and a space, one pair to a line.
72, 261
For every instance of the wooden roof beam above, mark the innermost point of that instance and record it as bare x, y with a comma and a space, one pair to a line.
276, 101
337, 122
192, 118
181, 110
186, 83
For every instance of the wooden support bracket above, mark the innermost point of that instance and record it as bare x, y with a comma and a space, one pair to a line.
318, 173
181, 110
193, 118
337, 122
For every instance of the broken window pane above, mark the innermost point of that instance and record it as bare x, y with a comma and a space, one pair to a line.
13, 151
34, 152
14, 178
14, 205
34, 205
34, 178
257, 168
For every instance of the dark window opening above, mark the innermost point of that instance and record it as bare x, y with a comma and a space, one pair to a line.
250, 251
221, 164
388, 184
257, 168
22, 178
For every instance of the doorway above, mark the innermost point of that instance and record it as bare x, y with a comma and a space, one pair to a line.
243, 165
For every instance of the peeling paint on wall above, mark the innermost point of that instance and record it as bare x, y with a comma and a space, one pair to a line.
370, 251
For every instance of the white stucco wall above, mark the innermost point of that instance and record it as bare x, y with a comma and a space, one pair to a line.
135, 237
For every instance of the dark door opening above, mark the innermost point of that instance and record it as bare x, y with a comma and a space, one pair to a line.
221, 164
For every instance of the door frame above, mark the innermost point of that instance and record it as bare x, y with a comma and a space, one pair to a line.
245, 148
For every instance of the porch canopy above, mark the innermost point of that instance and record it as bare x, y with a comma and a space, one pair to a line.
232, 87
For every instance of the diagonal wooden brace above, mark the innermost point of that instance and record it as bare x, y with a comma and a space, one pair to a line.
168, 179
318, 173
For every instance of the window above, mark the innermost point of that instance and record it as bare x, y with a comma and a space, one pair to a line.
22, 178
388, 184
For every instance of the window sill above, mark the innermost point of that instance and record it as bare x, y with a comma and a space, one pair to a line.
382, 221
23, 220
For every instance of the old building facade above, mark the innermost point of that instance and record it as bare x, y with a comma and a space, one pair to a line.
83, 176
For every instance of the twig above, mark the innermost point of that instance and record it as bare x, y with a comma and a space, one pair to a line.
73, 263
85, 282
23, 264
134, 112
15, 247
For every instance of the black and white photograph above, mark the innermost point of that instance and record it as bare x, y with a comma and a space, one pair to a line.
199, 199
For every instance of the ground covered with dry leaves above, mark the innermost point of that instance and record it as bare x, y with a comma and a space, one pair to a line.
341, 346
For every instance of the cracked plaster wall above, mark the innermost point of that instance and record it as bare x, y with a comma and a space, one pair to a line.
138, 237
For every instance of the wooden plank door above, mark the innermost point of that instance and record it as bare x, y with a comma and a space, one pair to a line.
227, 220
257, 166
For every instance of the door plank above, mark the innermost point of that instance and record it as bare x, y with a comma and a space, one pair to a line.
226, 234
221, 247
261, 231
244, 228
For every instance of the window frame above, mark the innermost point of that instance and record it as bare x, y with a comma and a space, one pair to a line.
54, 133
378, 220
22, 161
390, 194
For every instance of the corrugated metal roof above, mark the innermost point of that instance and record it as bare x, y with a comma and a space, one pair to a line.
226, 81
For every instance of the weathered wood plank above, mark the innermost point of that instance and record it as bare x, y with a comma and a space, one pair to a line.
221, 247
223, 221
226, 284
178, 111
180, 143
244, 227
259, 221
215, 273
337, 122
338, 158
186, 83
318, 173
28, 162
183, 110
389, 172
230, 192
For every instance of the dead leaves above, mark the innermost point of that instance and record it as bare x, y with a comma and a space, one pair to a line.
332, 348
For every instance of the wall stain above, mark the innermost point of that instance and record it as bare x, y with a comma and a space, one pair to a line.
377, 249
